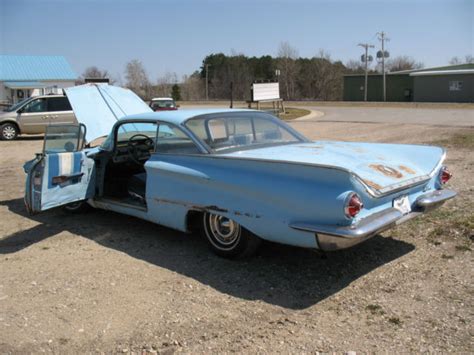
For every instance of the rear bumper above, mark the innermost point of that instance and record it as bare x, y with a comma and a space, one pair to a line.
335, 237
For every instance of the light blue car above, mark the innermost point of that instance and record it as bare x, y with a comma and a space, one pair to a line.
238, 176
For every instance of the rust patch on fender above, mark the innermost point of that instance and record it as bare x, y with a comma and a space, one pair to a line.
373, 184
387, 170
407, 169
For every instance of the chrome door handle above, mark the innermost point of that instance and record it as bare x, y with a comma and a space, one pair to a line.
45, 117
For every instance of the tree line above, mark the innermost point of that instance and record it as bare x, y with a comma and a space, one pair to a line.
316, 78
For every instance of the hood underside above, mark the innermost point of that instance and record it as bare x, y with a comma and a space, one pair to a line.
99, 106
381, 167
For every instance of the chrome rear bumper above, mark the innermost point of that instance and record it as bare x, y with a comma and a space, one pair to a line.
334, 237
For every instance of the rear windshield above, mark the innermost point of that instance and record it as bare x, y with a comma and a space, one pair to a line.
243, 130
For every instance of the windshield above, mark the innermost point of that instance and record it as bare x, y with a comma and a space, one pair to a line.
242, 130
18, 105
163, 104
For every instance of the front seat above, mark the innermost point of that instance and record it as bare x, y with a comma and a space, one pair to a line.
137, 186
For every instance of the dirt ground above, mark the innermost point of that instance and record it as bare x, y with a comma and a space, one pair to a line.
104, 282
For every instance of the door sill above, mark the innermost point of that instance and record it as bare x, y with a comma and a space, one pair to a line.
121, 203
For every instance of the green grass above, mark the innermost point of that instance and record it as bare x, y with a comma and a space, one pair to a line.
463, 140
375, 309
291, 113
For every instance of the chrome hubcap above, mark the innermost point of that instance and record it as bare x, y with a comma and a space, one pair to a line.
8, 132
225, 230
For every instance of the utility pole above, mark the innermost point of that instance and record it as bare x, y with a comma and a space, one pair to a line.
366, 59
383, 54
207, 81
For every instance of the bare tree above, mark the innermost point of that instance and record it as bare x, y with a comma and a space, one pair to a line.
288, 66
93, 72
402, 62
192, 87
137, 79
355, 66
468, 59
165, 83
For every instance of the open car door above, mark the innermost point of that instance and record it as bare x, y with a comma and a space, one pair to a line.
62, 173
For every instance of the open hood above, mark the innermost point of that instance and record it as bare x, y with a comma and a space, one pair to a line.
99, 106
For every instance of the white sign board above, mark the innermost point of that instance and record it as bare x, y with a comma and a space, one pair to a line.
266, 91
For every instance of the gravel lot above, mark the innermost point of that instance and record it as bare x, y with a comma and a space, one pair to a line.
104, 282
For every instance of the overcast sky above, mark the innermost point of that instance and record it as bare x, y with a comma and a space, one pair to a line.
175, 36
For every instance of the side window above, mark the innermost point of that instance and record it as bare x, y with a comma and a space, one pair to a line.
58, 104
64, 138
38, 105
174, 141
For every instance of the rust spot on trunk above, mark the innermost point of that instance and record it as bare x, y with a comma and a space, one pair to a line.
387, 170
407, 169
373, 184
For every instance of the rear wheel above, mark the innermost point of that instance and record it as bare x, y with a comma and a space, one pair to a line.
8, 131
227, 238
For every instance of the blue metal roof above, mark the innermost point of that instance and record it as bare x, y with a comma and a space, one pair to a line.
179, 116
32, 67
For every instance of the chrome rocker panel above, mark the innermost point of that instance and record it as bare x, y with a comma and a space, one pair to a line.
331, 238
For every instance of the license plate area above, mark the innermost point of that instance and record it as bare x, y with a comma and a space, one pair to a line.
402, 204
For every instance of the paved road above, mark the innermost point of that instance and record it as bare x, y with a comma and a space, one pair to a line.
426, 116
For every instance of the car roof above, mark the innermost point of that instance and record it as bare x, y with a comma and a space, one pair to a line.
161, 98
179, 116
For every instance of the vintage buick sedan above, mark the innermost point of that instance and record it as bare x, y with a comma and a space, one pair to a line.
238, 176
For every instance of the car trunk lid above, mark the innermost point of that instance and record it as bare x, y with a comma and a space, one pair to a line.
381, 167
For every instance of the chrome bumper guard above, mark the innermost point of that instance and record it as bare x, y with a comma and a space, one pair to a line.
331, 238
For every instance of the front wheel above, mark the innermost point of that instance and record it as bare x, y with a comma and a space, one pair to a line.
227, 238
77, 207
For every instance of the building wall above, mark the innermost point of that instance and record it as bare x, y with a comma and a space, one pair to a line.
436, 88
53, 87
399, 88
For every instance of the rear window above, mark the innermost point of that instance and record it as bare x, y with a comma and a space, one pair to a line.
59, 104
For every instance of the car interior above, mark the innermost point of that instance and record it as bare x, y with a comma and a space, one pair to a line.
121, 171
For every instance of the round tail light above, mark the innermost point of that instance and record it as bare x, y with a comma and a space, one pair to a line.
444, 175
353, 205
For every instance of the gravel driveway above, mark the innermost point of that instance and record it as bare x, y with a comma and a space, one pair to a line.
103, 282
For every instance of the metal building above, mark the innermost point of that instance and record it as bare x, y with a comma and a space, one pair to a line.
453, 83
22, 76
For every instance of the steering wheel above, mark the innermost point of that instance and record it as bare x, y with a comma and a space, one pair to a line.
137, 148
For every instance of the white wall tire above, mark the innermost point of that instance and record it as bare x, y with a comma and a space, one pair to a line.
227, 238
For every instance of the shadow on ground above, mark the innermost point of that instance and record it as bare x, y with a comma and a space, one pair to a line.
281, 275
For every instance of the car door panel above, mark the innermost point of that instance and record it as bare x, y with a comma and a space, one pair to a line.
33, 118
57, 178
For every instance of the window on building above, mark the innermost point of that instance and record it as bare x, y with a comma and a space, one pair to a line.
455, 85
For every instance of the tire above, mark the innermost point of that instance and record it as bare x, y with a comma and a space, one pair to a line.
227, 238
77, 207
8, 131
